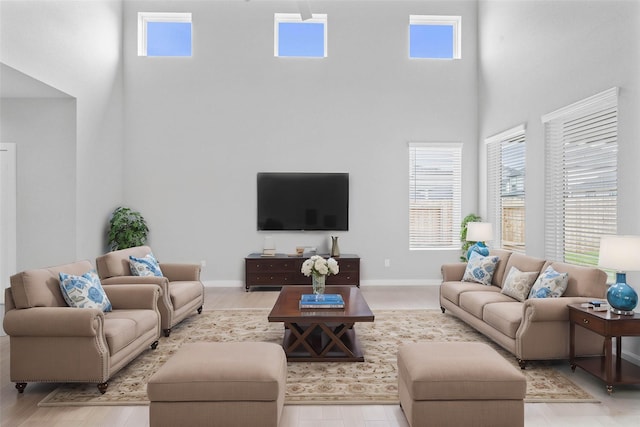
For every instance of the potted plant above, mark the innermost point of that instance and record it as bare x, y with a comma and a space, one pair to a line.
463, 234
127, 229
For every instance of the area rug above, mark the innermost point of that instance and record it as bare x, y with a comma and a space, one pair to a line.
371, 382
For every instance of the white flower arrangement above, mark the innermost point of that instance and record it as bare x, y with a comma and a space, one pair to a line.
318, 266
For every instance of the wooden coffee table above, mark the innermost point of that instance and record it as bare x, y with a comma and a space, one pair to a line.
321, 335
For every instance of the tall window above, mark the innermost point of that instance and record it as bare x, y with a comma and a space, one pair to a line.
295, 37
581, 178
505, 187
435, 188
164, 34
435, 37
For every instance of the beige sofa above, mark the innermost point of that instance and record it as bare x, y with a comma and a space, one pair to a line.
52, 342
182, 291
535, 329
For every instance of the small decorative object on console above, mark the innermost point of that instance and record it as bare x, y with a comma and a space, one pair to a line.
479, 232
319, 268
621, 253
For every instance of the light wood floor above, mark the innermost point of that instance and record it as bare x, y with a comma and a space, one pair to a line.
620, 409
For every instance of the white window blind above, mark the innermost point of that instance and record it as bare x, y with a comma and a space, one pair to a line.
581, 178
435, 188
506, 155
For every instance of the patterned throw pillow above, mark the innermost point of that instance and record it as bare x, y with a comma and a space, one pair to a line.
518, 283
550, 284
84, 291
480, 269
147, 266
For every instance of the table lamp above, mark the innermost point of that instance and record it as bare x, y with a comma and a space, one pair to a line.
621, 253
479, 232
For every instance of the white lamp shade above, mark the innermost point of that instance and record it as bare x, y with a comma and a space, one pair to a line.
620, 253
479, 231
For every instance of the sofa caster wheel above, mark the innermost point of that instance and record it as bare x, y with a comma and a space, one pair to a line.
166, 332
102, 387
522, 363
154, 345
200, 310
20, 387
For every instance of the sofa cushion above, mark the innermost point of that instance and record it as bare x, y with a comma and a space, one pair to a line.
480, 269
41, 287
518, 283
506, 317
524, 263
503, 258
184, 292
550, 284
145, 266
583, 281
122, 327
116, 263
84, 291
452, 290
474, 302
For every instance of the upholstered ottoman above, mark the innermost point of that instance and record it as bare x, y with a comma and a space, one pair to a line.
219, 384
459, 384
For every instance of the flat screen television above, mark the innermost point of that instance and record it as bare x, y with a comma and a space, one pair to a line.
303, 201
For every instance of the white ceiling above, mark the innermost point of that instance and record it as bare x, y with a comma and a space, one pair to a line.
14, 84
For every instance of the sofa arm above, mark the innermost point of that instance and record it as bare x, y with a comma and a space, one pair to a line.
180, 272
142, 297
549, 309
453, 272
53, 322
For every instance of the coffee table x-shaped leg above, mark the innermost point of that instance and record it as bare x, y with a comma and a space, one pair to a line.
315, 342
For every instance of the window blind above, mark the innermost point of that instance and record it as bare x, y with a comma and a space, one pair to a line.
581, 179
435, 189
506, 155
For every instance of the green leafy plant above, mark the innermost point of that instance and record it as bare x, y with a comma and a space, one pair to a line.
463, 234
127, 229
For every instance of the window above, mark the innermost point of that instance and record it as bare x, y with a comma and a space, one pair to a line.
435, 188
164, 34
505, 187
435, 37
581, 180
294, 37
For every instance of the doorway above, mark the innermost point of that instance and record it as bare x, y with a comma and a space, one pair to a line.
7, 215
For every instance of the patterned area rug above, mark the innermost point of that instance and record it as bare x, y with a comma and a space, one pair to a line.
371, 382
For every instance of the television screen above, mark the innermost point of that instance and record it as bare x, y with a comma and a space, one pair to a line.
303, 201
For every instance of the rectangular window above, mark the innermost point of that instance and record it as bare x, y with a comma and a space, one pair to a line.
435, 37
164, 34
581, 186
506, 155
435, 193
294, 37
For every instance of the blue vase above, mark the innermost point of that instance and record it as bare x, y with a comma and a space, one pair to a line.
480, 248
621, 297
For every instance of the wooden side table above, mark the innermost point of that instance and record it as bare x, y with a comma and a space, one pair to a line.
613, 371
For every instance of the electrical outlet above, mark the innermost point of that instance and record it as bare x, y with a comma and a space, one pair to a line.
387, 262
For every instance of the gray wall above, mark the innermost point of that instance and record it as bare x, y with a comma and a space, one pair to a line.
539, 56
198, 130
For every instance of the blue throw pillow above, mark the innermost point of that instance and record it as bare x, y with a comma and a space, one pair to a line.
84, 291
147, 266
550, 284
480, 269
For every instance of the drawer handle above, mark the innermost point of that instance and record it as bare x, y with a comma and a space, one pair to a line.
585, 321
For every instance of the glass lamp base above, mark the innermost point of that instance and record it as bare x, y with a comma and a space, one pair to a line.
621, 297
622, 312
478, 247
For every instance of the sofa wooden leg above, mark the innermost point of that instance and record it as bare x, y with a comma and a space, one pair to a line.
20, 387
200, 310
167, 332
102, 387
154, 345
522, 363
442, 308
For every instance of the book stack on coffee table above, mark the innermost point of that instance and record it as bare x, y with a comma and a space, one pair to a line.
321, 301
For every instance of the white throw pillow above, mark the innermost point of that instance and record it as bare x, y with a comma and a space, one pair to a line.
518, 283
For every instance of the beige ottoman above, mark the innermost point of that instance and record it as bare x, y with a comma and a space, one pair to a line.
459, 384
219, 384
